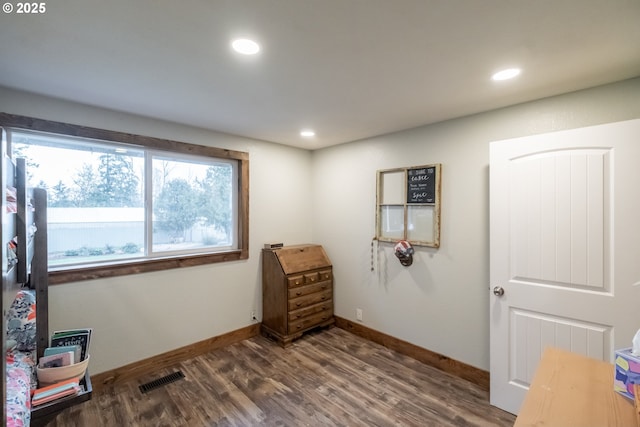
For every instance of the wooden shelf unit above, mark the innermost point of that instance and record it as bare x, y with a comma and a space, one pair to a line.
43, 414
28, 223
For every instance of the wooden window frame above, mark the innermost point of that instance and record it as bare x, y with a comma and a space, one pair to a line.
403, 201
121, 268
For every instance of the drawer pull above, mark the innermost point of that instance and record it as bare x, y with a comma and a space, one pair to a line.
323, 297
298, 304
298, 293
299, 326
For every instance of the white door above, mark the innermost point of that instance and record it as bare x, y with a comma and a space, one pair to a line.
565, 249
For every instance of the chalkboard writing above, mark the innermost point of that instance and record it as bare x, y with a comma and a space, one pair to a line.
421, 185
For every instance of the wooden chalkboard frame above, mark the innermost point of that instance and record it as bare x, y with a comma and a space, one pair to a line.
408, 205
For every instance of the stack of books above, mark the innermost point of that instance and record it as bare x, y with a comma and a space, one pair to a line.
55, 391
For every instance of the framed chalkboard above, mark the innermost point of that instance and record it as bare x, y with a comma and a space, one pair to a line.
408, 205
421, 185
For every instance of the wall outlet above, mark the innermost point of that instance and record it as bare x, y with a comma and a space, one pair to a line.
253, 316
359, 314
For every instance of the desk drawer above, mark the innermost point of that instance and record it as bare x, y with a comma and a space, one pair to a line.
294, 281
309, 289
325, 275
307, 300
326, 307
311, 278
309, 322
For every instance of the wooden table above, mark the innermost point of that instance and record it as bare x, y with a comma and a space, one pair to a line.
573, 390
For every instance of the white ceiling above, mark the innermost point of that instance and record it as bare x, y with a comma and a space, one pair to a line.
350, 69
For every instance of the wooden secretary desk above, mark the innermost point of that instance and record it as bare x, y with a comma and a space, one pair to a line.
297, 291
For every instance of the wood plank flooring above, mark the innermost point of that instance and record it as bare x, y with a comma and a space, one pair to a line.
328, 378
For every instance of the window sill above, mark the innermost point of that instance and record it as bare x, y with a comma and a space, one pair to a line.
113, 270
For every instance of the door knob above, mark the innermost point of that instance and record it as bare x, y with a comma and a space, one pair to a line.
498, 291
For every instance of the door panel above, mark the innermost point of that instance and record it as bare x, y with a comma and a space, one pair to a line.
557, 222
561, 238
531, 332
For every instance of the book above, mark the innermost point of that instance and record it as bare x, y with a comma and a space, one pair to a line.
64, 393
57, 360
273, 245
81, 337
76, 349
43, 392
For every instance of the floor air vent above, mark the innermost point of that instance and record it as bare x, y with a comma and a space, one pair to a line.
168, 379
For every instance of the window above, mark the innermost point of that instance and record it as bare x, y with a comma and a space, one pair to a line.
121, 203
408, 205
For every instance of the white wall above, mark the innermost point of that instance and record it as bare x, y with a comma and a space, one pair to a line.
441, 302
139, 316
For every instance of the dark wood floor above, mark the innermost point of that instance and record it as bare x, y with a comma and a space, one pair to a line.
328, 378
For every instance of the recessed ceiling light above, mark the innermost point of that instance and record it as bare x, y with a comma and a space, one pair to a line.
507, 74
245, 46
307, 133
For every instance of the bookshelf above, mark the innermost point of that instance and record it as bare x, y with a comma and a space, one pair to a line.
24, 218
41, 415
